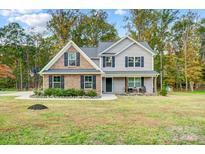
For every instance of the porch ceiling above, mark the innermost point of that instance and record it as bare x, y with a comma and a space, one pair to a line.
130, 74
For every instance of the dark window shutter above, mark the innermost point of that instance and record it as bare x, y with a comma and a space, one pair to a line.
113, 61
50, 81
62, 82
142, 61
142, 81
126, 61
65, 59
94, 82
78, 58
82, 81
103, 61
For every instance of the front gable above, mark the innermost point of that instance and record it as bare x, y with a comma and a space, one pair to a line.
58, 62
84, 64
123, 44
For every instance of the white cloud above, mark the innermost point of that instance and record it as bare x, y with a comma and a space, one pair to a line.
5, 12
32, 20
120, 12
33, 23
16, 12
37, 30
27, 11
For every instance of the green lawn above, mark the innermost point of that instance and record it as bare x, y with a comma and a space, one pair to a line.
176, 119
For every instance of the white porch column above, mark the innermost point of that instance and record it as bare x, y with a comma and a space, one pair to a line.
155, 85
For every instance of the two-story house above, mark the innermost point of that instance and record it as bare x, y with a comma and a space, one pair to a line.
111, 67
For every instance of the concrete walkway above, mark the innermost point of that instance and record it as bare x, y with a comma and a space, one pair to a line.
26, 95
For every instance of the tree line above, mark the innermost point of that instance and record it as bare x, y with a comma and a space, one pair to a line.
178, 39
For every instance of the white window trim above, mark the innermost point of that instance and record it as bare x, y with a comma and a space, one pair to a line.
106, 62
134, 62
134, 82
73, 59
55, 82
88, 82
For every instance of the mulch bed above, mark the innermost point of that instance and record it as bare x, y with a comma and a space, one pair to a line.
37, 107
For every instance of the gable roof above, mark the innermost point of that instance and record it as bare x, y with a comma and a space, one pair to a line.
94, 51
144, 45
102, 47
63, 50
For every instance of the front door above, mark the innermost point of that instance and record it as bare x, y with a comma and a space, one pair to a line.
108, 84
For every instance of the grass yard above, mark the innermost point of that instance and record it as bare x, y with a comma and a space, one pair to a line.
176, 119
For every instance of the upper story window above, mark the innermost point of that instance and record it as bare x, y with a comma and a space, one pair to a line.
137, 61
108, 61
134, 61
131, 61
71, 59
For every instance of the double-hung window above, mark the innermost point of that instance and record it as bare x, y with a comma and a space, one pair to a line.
131, 61
134, 61
137, 61
134, 82
56, 82
71, 59
88, 81
108, 61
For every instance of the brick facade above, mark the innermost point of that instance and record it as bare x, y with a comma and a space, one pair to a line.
84, 64
73, 81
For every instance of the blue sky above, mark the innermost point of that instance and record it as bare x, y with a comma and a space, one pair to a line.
36, 19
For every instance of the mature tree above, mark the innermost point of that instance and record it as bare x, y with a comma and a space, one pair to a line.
13, 37
202, 49
186, 34
6, 72
166, 17
93, 28
142, 25
62, 23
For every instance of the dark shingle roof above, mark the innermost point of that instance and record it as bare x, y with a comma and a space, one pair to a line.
53, 71
104, 45
94, 51
90, 52
132, 72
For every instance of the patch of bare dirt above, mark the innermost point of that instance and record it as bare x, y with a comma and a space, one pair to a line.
7, 129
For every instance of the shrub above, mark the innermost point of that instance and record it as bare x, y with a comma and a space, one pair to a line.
6, 83
48, 92
80, 92
67, 92
163, 92
91, 93
58, 92
38, 92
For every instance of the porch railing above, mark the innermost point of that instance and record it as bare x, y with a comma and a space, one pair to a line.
137, 90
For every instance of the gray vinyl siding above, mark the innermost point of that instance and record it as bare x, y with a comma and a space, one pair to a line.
132, 51
119, 85
148, 83
120, 46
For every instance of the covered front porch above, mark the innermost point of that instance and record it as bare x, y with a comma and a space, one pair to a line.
124, 82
